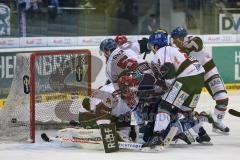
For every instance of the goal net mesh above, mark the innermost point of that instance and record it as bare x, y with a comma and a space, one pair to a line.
47, 89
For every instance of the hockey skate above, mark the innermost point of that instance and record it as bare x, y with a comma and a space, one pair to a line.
203, 137
219, 127
154, 144
183, 137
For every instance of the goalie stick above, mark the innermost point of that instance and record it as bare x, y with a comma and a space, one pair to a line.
122, 145
234, 112
168, 139
129, 145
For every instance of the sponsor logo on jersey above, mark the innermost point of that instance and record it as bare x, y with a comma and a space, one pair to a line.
117, 55
194, 101
181, 98
173, 92
215, 82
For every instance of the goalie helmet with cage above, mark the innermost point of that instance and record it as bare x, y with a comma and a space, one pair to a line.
128, 87
107, 46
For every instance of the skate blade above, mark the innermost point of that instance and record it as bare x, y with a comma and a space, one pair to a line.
220, 132
206, 143
152, 150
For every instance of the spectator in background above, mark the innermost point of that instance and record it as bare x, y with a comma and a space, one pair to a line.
128, 9
150, 24
127, 16
53, 9
220, 6
53, 3
190, 20
34, 10
36, 5
233, 3
4, 19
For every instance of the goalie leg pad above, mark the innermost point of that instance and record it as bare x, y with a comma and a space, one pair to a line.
80, 133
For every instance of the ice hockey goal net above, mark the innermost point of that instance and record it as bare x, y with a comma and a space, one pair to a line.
47, 88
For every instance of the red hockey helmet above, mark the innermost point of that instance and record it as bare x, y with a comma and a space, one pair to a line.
120, 39
128, 86
127, 80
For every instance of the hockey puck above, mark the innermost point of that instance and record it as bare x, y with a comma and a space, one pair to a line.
45, 137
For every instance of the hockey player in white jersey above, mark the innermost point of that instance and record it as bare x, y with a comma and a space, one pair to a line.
139, 47
187, 81
120, 60
113, 102
110, 96
193, 46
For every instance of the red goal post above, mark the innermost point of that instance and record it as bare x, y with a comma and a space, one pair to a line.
47, 88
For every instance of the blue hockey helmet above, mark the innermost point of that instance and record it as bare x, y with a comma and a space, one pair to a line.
160, 38
108, 45
179, 32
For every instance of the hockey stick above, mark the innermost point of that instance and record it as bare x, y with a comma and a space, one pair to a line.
122, 145
46, 138
234, 112
145, 54
168, 139
98, 144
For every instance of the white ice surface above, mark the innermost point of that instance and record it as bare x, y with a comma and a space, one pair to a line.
223, 148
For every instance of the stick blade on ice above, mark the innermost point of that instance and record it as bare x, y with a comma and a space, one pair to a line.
234, 112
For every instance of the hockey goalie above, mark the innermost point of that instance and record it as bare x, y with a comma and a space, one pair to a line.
111, 103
